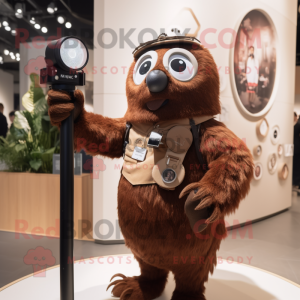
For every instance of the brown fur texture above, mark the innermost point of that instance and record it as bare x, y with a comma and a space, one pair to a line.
152, 219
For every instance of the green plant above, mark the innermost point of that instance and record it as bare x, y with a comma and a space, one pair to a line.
31, 140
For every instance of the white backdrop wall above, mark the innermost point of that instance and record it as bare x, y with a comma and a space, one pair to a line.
7, 93
267, 196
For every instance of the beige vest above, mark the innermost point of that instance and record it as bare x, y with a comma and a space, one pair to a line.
140, 172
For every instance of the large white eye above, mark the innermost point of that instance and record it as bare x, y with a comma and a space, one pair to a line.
181, 64
142, 67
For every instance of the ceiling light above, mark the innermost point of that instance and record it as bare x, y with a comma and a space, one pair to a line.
13, 29
1, 58
11, 53
44, 29
17, 54
19, 15
18, 58
37, 26
68, 25
5, 21
61, 20
20, 8
7, 28
32, 20
52, 8
6, 52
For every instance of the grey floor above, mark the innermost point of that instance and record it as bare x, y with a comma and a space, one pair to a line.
274, 246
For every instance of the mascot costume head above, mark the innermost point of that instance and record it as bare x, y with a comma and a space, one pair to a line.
183, 170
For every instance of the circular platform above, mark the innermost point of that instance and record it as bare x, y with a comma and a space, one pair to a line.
230, 281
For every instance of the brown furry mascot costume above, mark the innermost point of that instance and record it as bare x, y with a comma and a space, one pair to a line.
171, 202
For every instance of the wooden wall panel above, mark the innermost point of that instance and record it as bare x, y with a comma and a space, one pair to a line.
32, 200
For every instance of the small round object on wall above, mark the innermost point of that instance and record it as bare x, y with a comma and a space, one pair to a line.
280, 150
272, 163
257, 150
275, 135
262, 128
283, 172
258, 170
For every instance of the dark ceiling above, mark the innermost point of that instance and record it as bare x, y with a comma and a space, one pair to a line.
79, 13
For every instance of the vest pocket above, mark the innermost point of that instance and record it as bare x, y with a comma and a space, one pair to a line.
130, 160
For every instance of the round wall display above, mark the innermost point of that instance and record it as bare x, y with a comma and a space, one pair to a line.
254, 61
283, 172
280, 150
262, 128
257, 150
272, 163
275, 135
258, 171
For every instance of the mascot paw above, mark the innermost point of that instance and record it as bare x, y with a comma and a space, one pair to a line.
60, 105
200, 207
136, 288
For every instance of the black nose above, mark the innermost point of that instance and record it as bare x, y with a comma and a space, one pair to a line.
156, 81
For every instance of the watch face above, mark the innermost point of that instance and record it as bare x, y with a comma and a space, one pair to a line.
168, 175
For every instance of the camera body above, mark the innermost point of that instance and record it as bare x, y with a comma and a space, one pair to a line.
56, 76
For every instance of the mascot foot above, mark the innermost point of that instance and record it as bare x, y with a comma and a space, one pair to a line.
187, 296
137, 287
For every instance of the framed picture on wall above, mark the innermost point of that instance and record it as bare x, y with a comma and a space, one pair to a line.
275, 135
254, 62
257, 150
258, 171
283, 172
272, 163
280, 150
262, 128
